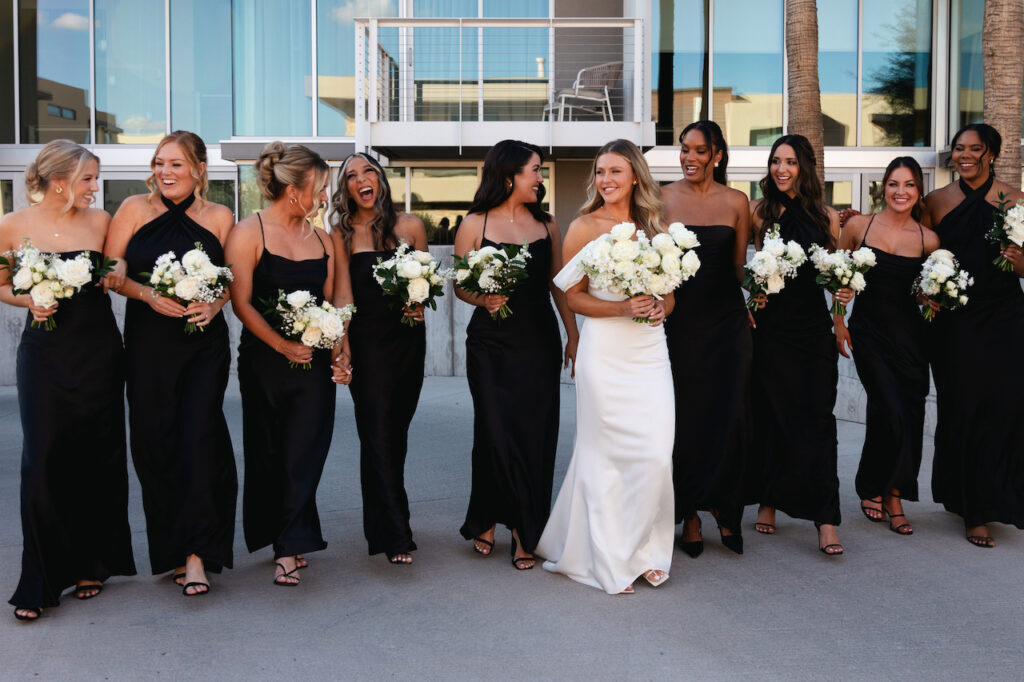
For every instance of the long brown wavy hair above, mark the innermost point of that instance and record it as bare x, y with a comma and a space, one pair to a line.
382, 225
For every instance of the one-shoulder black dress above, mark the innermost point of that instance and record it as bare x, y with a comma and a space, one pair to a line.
978, 470
513, 367
287, 420
709, 345
176, 381
887, 334
795, 378
385, 390
74, 478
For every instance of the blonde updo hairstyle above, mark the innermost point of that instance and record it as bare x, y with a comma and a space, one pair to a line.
59, 159
645, 200
280, 166
194, 149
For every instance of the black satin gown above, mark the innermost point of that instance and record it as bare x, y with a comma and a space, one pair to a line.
74, 477
176, 381
978, 470
513, 367
710, 347
887, 334
795, 378
287, 420
389, 357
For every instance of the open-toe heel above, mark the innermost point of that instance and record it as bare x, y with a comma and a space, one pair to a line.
521, 562
834, 549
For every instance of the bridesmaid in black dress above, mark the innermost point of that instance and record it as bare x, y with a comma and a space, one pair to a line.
176, 381
74, 479
709, 343
886, 336
513, 364
389, 354
978, 471
795, 359
287, 412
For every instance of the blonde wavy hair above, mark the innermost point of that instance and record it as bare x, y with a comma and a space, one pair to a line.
195, 153
645, 201
59, 159
280, 166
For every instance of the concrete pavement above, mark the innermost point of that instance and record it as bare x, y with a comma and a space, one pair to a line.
929, 606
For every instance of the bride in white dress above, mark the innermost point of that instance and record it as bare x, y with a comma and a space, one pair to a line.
613, 519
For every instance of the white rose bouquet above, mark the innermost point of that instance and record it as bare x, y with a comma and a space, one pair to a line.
299, 317
410, 277
770, 267
618, 263
47, 277
193, 278
942, 281
493, 270
842, 269
1008, 229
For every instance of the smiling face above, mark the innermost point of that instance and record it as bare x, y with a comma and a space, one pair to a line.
971, 157
362, 182
173, 172
901, 190
697, 157
613, 178
527, 182
784, 169
87, 186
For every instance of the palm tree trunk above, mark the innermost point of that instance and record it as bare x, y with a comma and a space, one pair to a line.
1003, 47
804, 90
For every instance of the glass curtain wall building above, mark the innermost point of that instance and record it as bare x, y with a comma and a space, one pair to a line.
454, 76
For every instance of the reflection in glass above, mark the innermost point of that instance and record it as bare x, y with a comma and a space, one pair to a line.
396, 180
130, 76
515, 63
970, 81
271, 61
116, 191
837, 71
439, 193
249, 198
897, 73
748, 61
6, 74
53, 68
201, 68
679, 68
752, 188
222, 192
839, 194
6, 197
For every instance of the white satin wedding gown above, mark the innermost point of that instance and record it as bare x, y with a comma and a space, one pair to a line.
613, 519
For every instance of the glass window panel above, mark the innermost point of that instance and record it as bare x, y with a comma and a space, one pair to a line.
249, 196
201, 68
6, 197
271, 62
837, 71
515, 63
439, 193
839, 194
396, 181
222, 192
445, 8
116, 191
747, 70
436, 57
131, 103
6, 73
970, 81
897, 74
752, 188
678, 69
53, 66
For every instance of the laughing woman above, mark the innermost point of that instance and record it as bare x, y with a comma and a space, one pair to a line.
74, 482
979, 437
176, 380
389, 354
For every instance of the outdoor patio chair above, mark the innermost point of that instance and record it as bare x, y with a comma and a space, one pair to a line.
590, 93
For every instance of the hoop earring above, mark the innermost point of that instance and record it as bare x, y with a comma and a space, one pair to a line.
58, 189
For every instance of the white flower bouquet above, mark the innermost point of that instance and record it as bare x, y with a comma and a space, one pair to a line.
299, 317
1008, 229
193, 278
410, 277
842, 269
942, 281
47, 277
770, 267
618, 263
493, 270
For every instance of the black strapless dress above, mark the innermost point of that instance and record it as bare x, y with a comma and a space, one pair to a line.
389, 357
513, 366
978, 471
287, 420
795, 377
709, 345
887, 333
74, 477
176, 382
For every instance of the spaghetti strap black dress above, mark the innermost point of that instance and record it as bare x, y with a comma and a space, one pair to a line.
795, 377
287, 420
978, 470
710, 347
176, 381
513, 367
385, 390
887, 334
74, 478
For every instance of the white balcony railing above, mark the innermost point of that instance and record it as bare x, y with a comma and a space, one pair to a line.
456, 74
